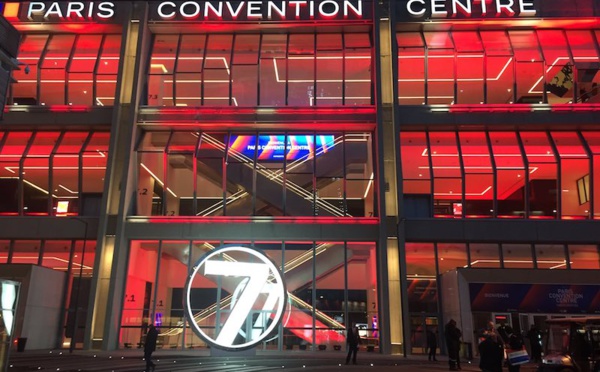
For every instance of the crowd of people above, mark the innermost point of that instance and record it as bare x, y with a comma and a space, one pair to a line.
498, 347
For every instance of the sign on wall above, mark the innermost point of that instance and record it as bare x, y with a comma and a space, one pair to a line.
60, 11
250, 301
203, 11
259, 10
535, 298
421, 10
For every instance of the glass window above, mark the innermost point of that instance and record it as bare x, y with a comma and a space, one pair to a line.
346, 295
416, 174
421, 277
543, 177
71, 70
518, 64
510, 171
26, 252
411, 68
574, 172
469, 67
550, 256
517, 256
270, 174
260, 70
25, 91
583, 256
81, 69
4, 251
447, 174
557, 67
484, 255
66, 173
107, 69
440, 78
451, 256
479, 178
593, 141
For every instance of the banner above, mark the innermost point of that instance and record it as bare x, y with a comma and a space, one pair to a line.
535, 298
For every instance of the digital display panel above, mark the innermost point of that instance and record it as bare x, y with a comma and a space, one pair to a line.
274, 147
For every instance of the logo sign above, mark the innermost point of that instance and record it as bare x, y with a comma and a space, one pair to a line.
254, 306
443, 9
292, 10
60, 11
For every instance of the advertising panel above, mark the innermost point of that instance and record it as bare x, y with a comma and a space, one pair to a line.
535, 298
275, 147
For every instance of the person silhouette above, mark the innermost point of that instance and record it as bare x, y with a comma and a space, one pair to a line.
149, 347
353, 340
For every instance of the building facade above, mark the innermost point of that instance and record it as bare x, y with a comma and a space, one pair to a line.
398, 160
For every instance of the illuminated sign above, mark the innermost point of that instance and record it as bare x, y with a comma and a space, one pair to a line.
217, 10
254, 307
58, 11
275, 147
291, 10
436, 9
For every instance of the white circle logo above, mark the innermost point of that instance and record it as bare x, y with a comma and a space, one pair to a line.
250, 297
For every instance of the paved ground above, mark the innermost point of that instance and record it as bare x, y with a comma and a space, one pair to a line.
131, 360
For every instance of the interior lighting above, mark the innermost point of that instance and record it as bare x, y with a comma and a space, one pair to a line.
157, 179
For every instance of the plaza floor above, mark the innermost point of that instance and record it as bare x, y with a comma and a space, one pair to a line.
179, 361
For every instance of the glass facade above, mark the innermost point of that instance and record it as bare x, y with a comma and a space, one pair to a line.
255, 174
498, 66
67, 69
261, 69
482, 174
45, 173
368, 156
329, 284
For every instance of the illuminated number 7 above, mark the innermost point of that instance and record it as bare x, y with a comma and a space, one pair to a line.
257, 274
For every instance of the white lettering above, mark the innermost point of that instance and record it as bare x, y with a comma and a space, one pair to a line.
217, 12
36, 8
234, 14
187, 15
91, 10
506, 8
71, 10
297, 4
526, 9
333, 13
464, 9
164, 15
356, 10
416, 13
106, 10
54, 10
483, 6
271, 6
253, 10
438, 9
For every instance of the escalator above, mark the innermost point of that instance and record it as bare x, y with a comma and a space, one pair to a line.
300, 200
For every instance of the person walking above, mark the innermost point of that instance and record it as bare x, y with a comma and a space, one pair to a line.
431, 344
535, 340
353, 340
491, 354
149, 347
453, 335
515, 343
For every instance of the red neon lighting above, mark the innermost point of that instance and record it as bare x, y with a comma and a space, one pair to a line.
243, 220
